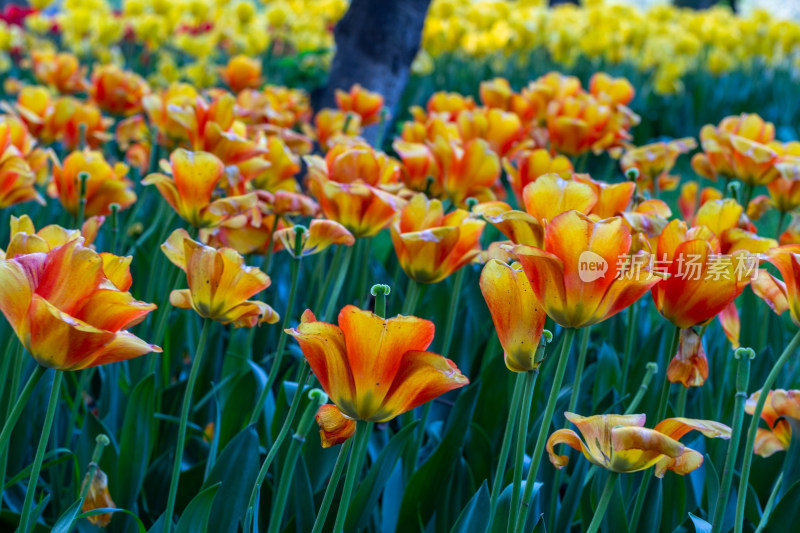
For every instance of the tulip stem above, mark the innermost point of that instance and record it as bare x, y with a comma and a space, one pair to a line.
662, 410
273, 450
337, 285
629, 338
52, 404
334, 267
270, 245
536, 458
770, 504
753, 429
413, 292
83, 177
452, 311
652, 368
505, 447
781, 219
363, 430
602, 505
100, 443
290, 462
333, 484
742, 381
19, 405
680, 404
187, 400
522, 437
278, 359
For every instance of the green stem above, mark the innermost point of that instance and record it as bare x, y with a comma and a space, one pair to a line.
276, 445
781, 219
276, 362
83, 177
602, 505
330, 490
363, 429
363, 272
505, 447
52, 404
270, 245
629, 338
522, 437
413, 293
770, 504
680, 404
19, 405
337, 285
652, 368
187, 401
290, 462
536, 458
335, 265
751, 432
100, 443
452, 311
742, 381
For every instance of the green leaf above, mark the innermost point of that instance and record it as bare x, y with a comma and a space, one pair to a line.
475, 516
700, 525
791, 461
784, 516
236, 468
110, 510
65, 522
195, 516
429, 482
369, 490
135, 442
650, 519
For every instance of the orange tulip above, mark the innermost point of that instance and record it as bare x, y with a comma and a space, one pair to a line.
781, 295
700, 281
106, 185
655, 161
20, 137
242, 72
496, 93
780, 405
167, 108
431, 245
549, 196
17, 179
331, 125
219, 283
612, 198
762, 203
646, 221
61, 71
785, 193
527, 166
517, 315
320, 235
688, 200
468, 170
190, 189
275, 105
690, 365
615, 90
725, 218
118, 91
449, 104
366, 104
351, 160
621, 443
283, 167
373, 368
503, 131
69, 307
579, 277
518, 226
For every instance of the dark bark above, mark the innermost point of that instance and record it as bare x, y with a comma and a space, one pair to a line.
698, 4
376, 41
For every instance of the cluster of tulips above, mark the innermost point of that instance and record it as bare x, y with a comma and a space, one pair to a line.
221, 178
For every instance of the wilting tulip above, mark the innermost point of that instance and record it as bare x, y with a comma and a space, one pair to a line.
69, 307
118, 91
550, 195
528, 165
366, 104
97, 497
105, 185
190, 189
655, 161
580, 276
219, 283
374, 369
690, 365
779, 406
320, 235
242, 72
431, 245
700, 282
517, 315
24, 239
621, 443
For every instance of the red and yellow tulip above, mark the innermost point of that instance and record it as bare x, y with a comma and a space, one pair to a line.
366, 104
780, 405
242, 72
320, 235
116, 91
105, 185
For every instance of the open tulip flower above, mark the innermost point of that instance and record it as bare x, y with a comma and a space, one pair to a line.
17, 179
321, 234
242, 72
190, 189
655, 161
550, 195
69, 306
366, 104
373, 369
24, 239
431, 245
780, 405
526, 166
579, 276
621, 443
118, 91
517, 315
106, 184
219, 283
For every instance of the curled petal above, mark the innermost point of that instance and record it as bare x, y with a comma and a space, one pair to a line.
771, 290
688, 461
571, 439
334, 427
676, 428
767, 443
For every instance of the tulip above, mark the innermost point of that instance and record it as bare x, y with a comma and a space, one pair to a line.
517, 315
118, 91
362, 209
572, 241
68, 311
431, 245
61, 71
375, 369
616, 90
366, 104
503, 130
242, 72
219, 283
17, 179
105, 185
190, 189
331, 125
779, 406
528, 165
321, 234
655, 161
24, 238
621, 443
689, 367
97, 497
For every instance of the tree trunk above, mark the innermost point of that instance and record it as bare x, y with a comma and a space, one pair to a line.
376, 41
697, 4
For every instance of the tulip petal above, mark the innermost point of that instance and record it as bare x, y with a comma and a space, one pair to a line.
16, 289
122, 347
688, 461
71, 273
117, 270
676, 428
112, 310
570, 438
334, 427
767, 443
173, 248
638, 448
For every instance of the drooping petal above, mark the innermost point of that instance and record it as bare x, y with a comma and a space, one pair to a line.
571, 439
122, 347
334, 427
688, 461
638, 448
676, 428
